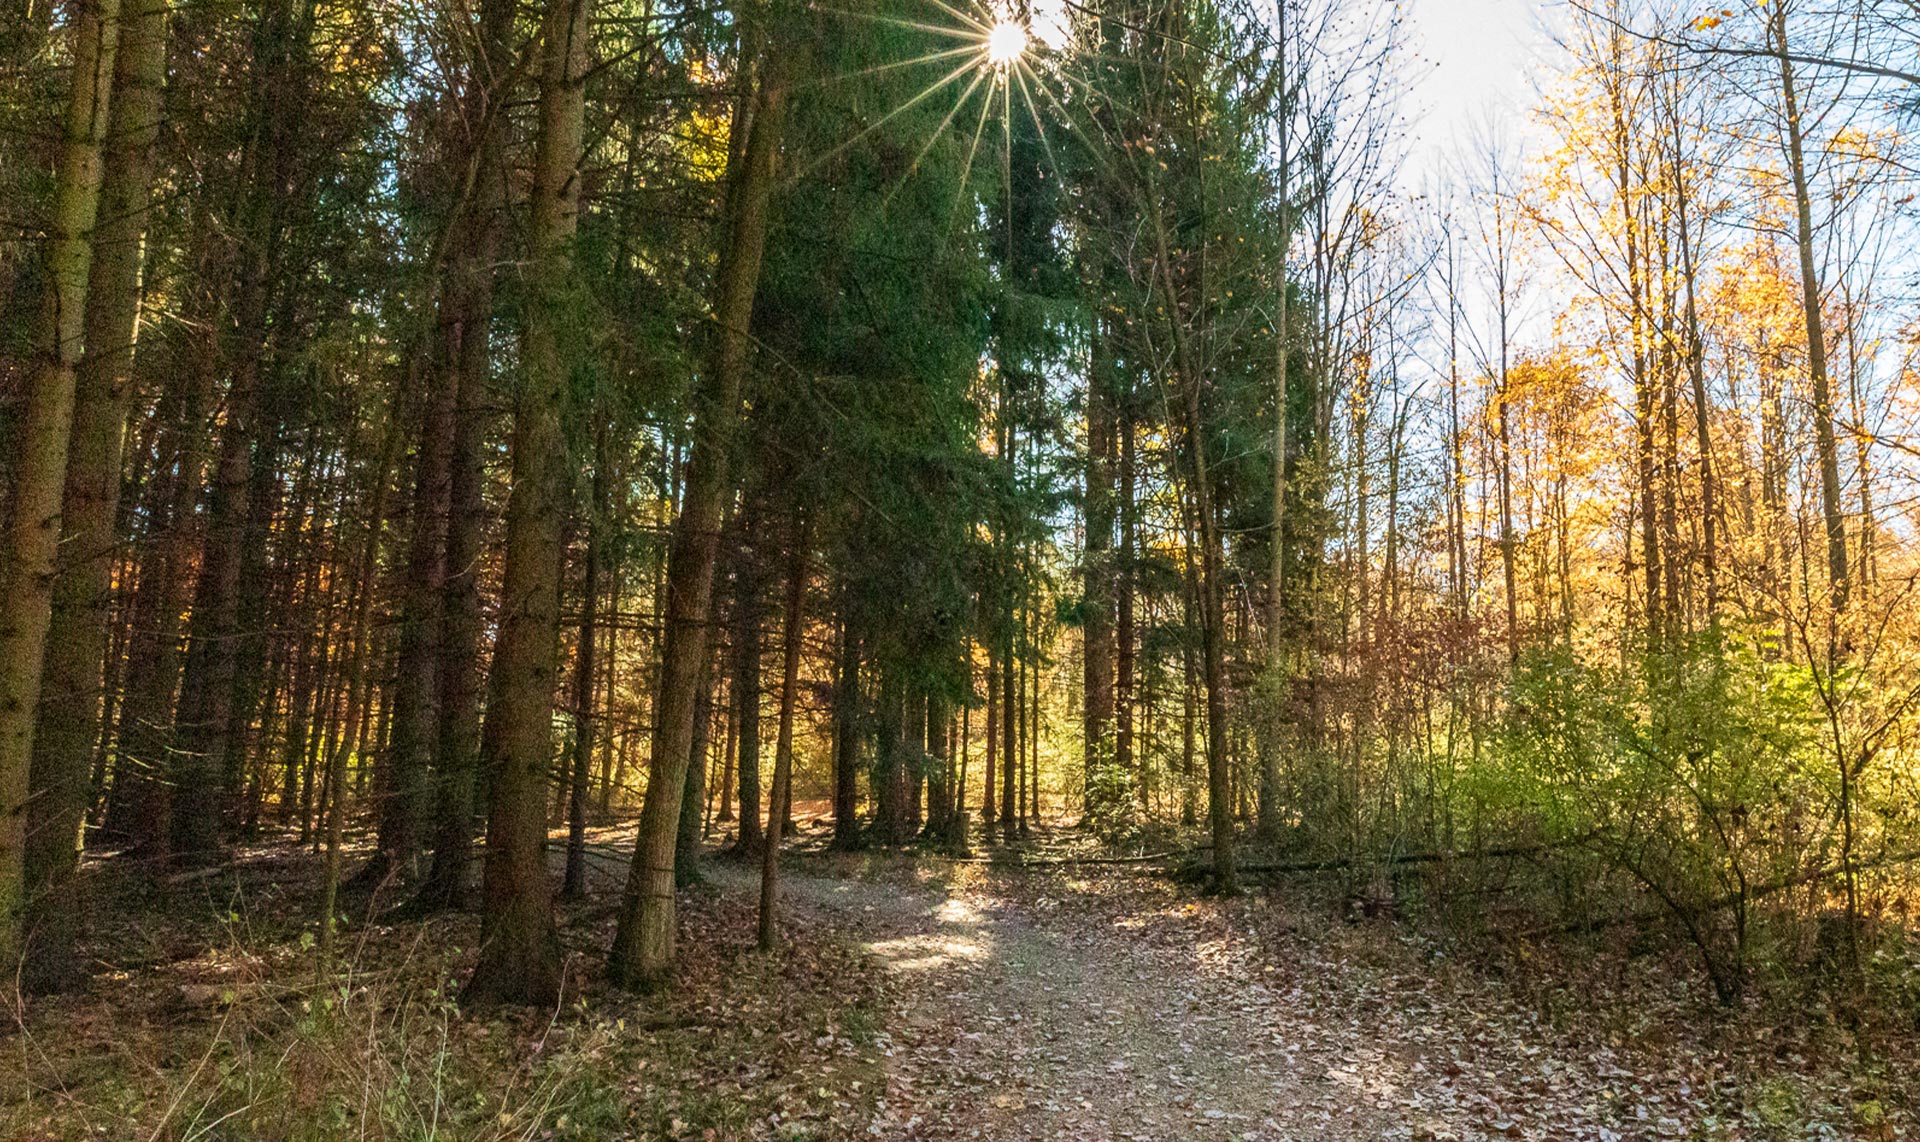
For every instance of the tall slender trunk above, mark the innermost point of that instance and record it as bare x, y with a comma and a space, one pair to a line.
28, 566
790, 647
643, 948
686, 855
914, 771
1208, 573
71, 710
348, 734
404, 792
1696, 350
604, 802
1509, 540
989, 793
895, 703
204, 717
1010, 737
1097, 578
1125, 642
1669, 371
470, 293
519, 952
939, 769
846, 730
1268, 826
746, 678
958, 835
1644, 451
1825, 446
725, 815
575, 884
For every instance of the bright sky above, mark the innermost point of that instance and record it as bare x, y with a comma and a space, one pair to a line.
1481, 58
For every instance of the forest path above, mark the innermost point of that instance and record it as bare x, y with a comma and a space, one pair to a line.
1027, 1010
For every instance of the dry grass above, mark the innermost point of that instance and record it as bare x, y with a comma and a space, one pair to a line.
208, 1020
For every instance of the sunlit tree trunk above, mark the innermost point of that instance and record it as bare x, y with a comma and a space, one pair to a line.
28, 566
643, 949
1097, 575
1207, 574
1826, 449
71, 708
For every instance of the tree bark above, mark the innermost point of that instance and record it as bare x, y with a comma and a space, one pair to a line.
790, 648
686, 857
404, 790
846, 731
1097, 578
746, 680
574, 886
71, 710
28, 566
519, 951
1825, 445
643, 949
470, 295
203, 719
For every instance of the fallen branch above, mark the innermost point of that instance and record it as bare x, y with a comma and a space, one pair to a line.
1333, 863
1719, 904
1006, 861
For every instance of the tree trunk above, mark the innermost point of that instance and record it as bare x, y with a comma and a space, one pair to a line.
643, 949
470, 294
71, 710
575, 884
1810, 295
686, 857
746, 679
28, 566
402, 803
939, 768
519, 952
204, 717
1097, 580
1010, 736
349, 732
1125, 642
988, 794
790, 647
1268, 826
1209, 573
846, 731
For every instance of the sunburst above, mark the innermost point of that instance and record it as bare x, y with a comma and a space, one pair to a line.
993, 55
1006, 43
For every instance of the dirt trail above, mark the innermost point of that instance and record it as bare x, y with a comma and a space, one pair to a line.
1083, 1003
1030, 1018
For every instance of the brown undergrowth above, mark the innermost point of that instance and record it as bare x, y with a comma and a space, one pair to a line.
206, 1019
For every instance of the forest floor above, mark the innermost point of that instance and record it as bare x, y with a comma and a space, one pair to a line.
919, 997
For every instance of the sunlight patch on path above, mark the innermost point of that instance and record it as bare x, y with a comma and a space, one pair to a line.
909, 954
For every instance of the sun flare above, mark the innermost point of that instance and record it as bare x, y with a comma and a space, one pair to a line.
1006, 43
